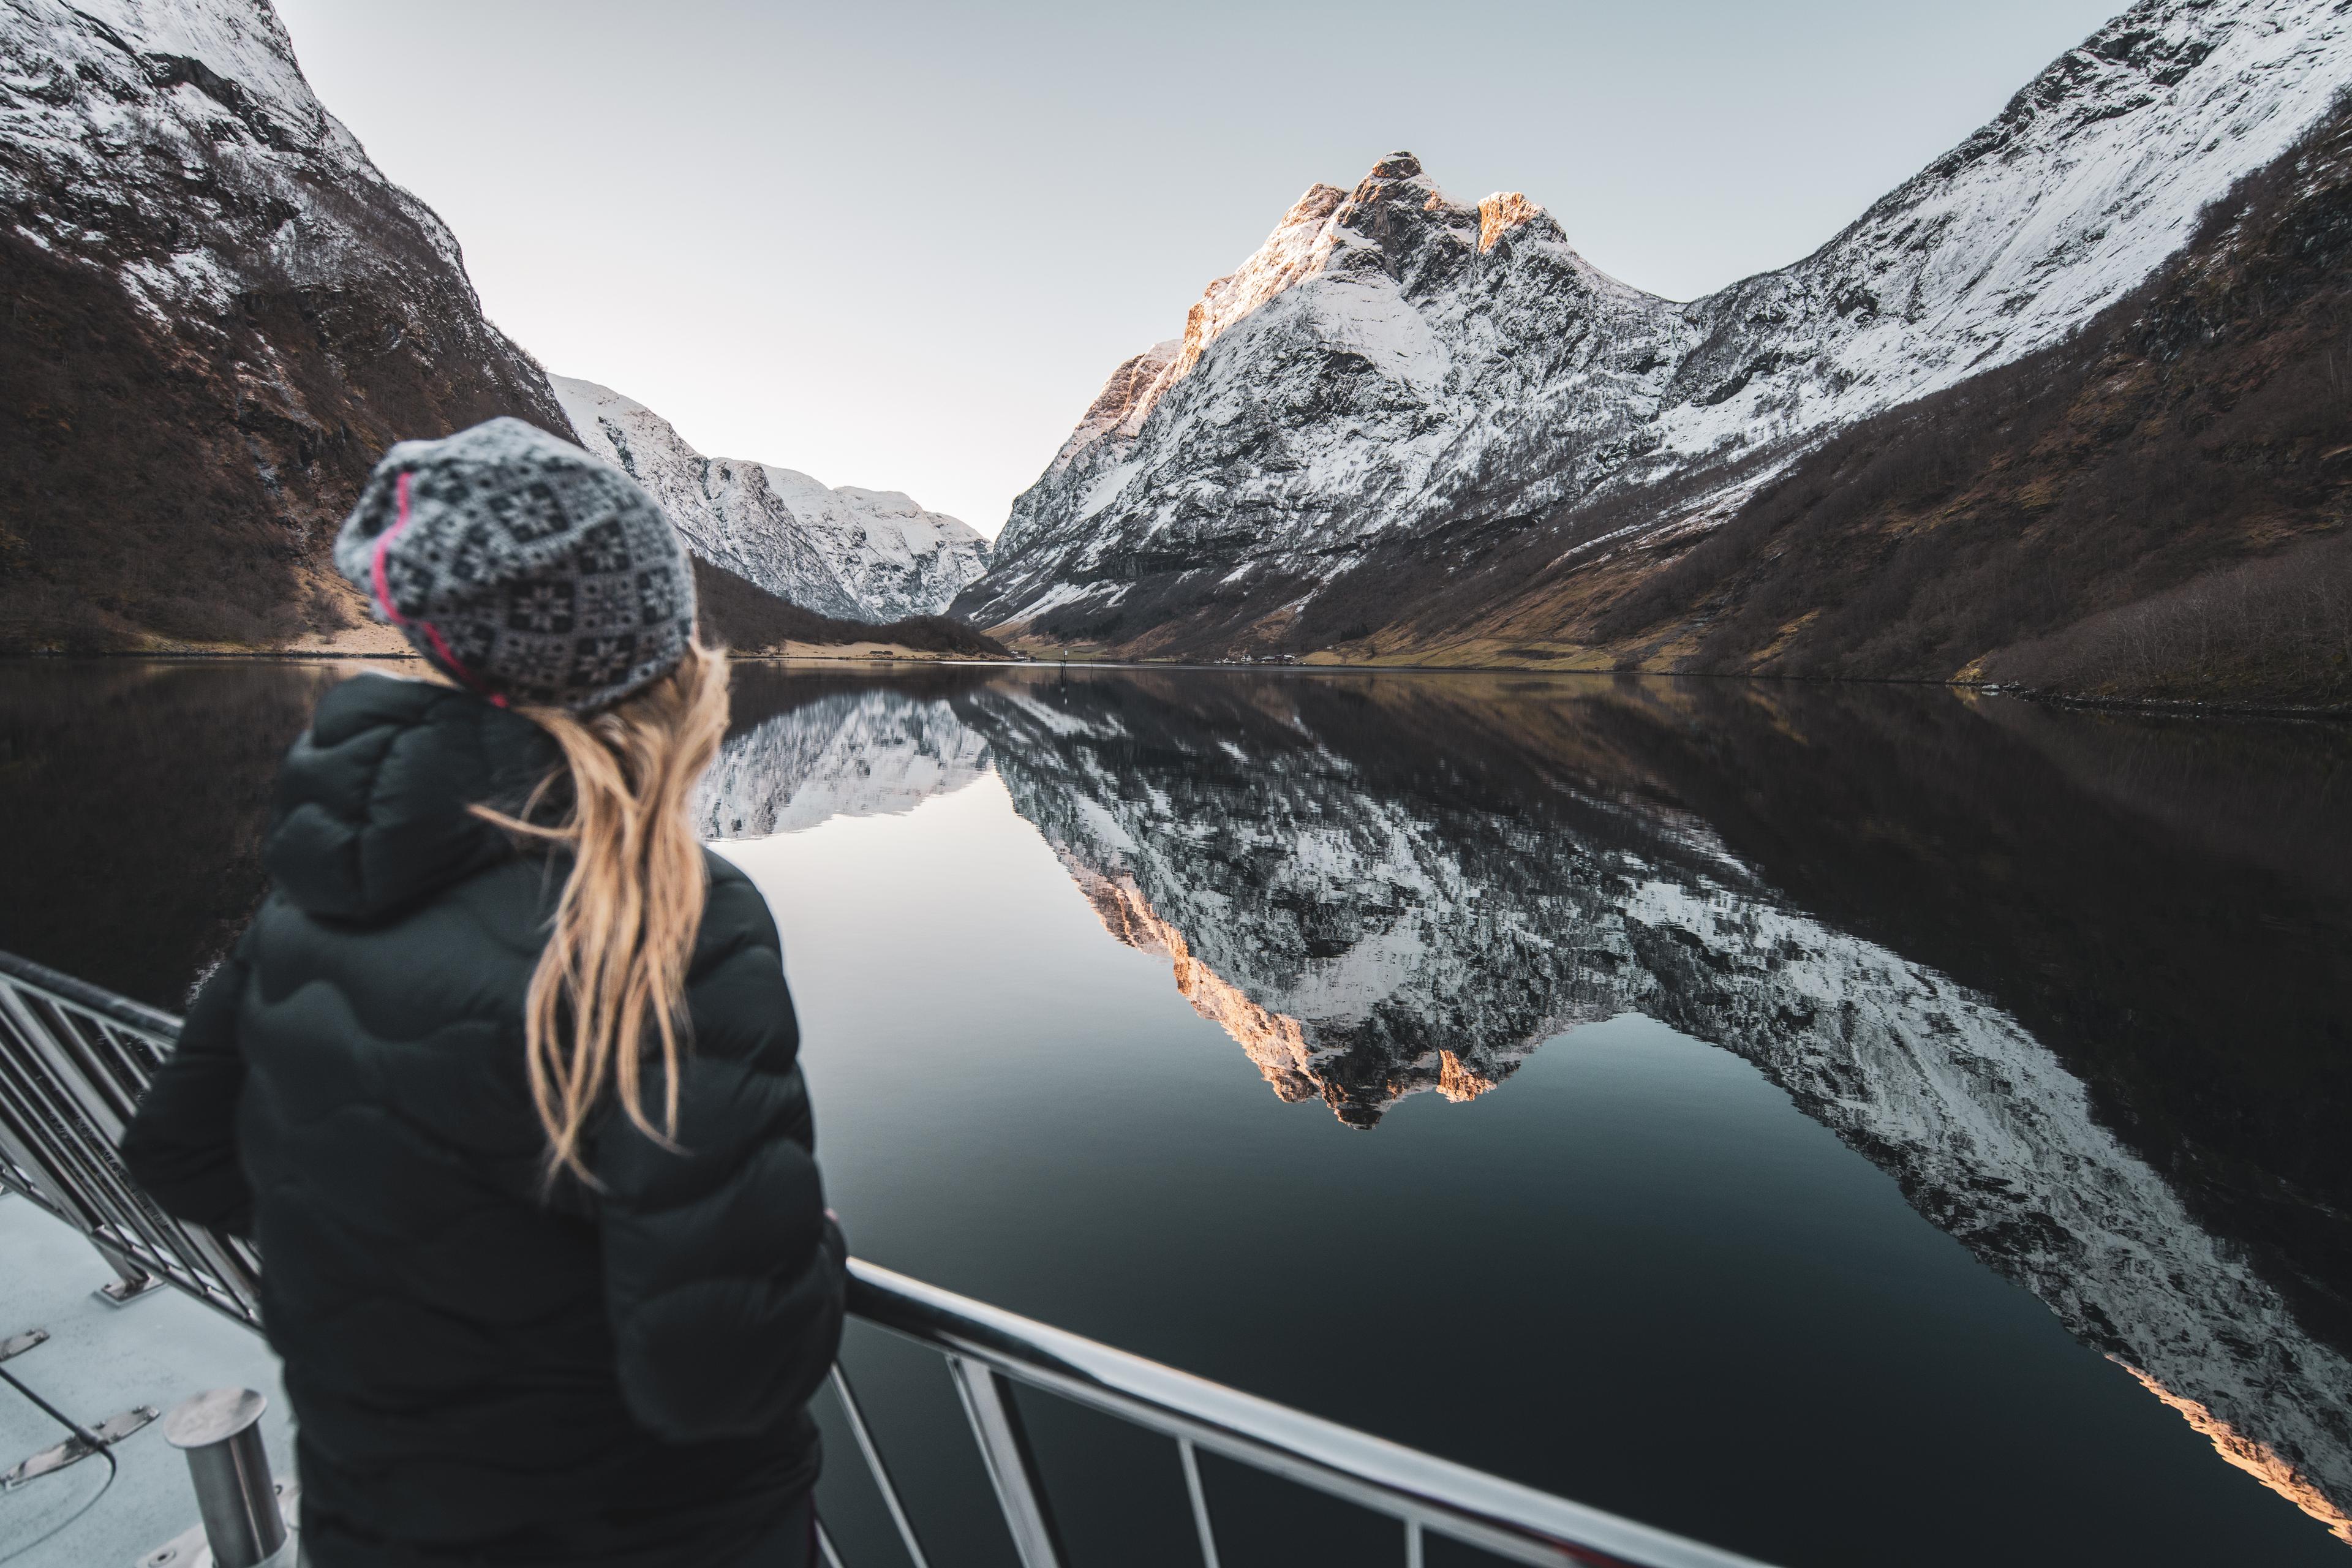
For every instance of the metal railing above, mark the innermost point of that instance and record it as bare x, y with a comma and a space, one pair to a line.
74, 1059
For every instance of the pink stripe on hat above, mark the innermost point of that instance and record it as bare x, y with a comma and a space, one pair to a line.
392, 611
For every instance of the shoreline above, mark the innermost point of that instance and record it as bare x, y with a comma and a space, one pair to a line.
2174, 707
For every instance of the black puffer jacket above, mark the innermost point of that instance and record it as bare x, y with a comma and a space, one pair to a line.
483, 1374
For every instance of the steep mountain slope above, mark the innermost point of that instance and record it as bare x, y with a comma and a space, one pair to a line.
222, 313
727, 510
855, 555
2156, 507
1398, 385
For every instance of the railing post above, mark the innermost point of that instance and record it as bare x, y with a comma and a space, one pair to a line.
988, 1401
220, 1431
879, 1470
70, 1074
1200, 1501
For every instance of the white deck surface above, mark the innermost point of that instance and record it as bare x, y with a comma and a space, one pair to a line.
102, 1358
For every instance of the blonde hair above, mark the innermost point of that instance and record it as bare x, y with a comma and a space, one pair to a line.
624, 926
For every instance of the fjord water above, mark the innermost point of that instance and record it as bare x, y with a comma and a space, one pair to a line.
1850, 1124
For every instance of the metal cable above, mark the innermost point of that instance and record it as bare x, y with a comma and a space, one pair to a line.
113, 1466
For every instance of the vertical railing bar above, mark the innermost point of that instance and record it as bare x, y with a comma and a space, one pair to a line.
880, 1471
77, 1080
39, 1112
1200, 1501
988, 1404
64, 1107
1412, 1543
70, 1079
824, 1548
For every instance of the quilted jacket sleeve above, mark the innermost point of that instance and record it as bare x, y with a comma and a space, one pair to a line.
723, 1275
181, 1146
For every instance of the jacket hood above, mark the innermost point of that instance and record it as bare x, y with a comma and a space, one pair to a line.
372, 815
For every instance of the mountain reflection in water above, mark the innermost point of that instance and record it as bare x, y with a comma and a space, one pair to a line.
2073, 980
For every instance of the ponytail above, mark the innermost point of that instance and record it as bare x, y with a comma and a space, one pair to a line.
625, 924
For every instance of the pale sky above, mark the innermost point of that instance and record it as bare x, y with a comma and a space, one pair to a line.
901, 244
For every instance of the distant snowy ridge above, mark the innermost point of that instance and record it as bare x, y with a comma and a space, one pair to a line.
1394, 359
857, 554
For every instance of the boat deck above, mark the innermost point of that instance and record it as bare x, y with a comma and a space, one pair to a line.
74, 1059
100, 1360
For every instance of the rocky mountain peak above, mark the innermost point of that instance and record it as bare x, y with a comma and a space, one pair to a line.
1312, 207
1296, 247
1501, 213
1388, 223
1400, 222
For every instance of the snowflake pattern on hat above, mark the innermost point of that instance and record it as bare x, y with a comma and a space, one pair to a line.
522, 566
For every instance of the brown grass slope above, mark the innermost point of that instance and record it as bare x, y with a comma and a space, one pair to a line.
149, 490
2156, 508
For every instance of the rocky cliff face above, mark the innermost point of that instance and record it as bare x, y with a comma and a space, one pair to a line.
855, 555
223, 312
1398, 379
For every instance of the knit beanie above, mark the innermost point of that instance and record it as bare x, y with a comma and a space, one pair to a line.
521, 567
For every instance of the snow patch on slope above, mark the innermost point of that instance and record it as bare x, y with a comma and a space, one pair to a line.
98, 93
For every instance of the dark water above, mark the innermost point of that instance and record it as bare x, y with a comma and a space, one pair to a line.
1853, 1125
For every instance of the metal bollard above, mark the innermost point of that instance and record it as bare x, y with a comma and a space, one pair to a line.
220, 1431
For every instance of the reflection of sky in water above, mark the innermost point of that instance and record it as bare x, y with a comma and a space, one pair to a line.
1759, 1332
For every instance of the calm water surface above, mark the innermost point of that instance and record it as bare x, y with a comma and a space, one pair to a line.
1855, 1126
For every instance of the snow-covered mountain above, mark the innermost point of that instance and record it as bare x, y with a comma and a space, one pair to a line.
731, 514
1393, 361
857, 554
183, 218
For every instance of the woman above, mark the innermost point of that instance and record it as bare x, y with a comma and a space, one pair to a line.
502, 1078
